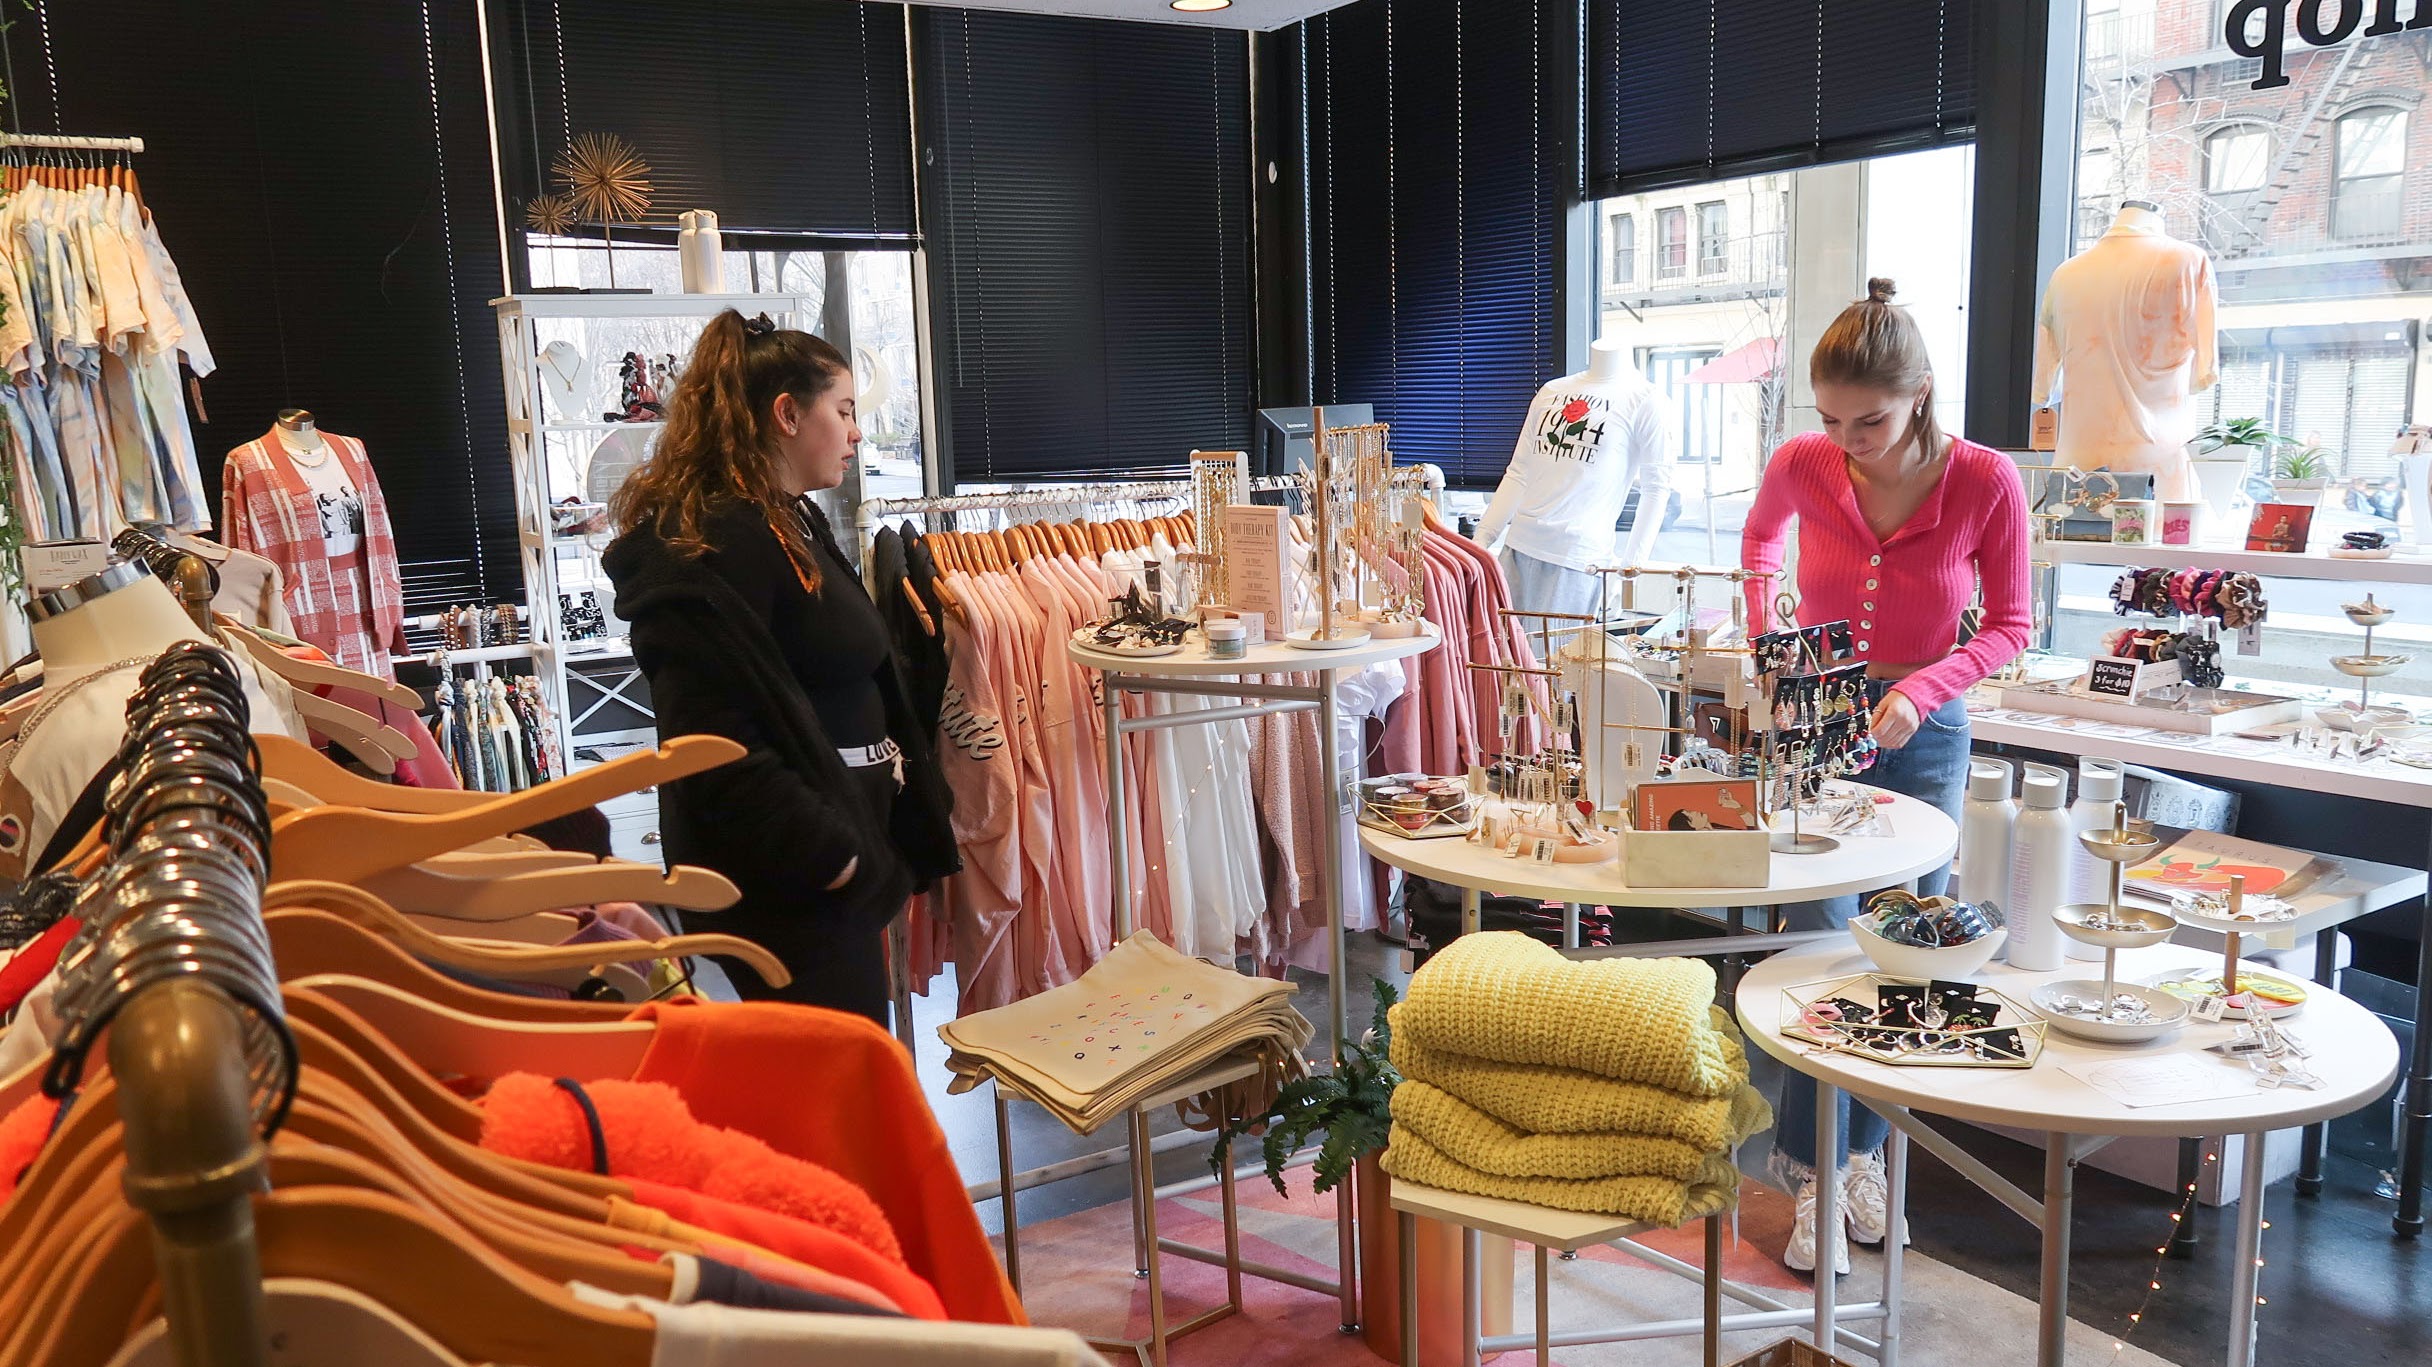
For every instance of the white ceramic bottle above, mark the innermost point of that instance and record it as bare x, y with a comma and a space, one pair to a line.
1985, 820
2039, 869
2099, 784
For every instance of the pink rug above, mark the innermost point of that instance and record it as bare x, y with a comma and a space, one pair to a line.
1077, 1272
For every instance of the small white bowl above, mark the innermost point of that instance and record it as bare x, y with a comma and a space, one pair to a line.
1950, 963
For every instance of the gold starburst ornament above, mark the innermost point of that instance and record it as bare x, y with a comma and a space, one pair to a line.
605, 180
550, 215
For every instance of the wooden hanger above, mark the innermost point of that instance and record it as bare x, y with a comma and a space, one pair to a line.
379, 745
431, 891
285, 757
307, 941
512, 965
306, 674
445, 1040
427, 1269
346, 844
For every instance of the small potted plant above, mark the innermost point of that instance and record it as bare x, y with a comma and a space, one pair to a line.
2300, 476
2224, 454
1353, 1107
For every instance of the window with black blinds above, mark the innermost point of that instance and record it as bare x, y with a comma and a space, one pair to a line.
1435, 191
782, 116
1087, 211
322, 176
1683, 92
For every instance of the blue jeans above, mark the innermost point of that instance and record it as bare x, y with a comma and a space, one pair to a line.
1933, 768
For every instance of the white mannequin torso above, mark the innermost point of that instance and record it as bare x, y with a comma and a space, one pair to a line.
2127, 329
1588, 440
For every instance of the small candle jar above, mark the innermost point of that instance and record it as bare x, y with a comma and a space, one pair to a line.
1409, 811
1227, 640
2179, 523
2132, 522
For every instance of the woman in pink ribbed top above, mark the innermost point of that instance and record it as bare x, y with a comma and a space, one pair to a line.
1899, 527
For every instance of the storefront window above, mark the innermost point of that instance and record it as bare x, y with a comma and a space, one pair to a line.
1736, 262
2324, 264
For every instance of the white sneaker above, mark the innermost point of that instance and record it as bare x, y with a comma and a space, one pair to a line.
1867, 1193
1800, 1256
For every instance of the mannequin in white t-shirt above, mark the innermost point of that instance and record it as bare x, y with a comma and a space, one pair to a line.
1589, 439
340, 503
2127, 328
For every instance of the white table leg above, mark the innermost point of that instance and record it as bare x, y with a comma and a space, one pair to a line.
1570, 925
1407, 1237
1472, 903
2247, 1271
2060, 1178
1895, 1164
1473, 1266
1828, 1208
1336, 804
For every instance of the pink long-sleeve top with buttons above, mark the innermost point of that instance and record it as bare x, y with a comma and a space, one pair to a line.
1902, 596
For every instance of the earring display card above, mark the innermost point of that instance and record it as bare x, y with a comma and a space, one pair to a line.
1695, 804
1906, 1023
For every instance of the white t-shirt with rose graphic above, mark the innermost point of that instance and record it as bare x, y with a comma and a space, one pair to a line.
1584, 447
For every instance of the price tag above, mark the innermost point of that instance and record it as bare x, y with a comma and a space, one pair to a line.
2112, 677
1541, 850
2209, 1008
2250, 639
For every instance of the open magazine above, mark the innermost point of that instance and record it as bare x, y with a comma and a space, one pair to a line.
2203, 861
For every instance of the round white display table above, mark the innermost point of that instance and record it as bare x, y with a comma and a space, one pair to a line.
2350, 1050
1922, 839
1265, 657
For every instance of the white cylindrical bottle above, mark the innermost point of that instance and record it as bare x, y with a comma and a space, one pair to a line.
2099, 784
1984, 834
2039, 869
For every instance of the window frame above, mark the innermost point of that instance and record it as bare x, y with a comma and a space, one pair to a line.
2344, 185
1672, 216
1621, 250
2271, 149
1713, 249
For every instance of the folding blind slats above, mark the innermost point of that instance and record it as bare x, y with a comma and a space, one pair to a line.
1434, 199
783, 116
1093, 290
1710, 89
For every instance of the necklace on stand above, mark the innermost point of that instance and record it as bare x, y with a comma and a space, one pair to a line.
310, 460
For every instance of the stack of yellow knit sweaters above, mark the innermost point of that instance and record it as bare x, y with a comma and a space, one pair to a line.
1613, 1086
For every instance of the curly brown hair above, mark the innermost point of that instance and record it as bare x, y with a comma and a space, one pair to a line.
718, 441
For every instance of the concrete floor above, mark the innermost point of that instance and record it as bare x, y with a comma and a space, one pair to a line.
2340, 1288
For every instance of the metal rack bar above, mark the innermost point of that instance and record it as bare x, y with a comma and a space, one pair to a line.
66, 143
872, 511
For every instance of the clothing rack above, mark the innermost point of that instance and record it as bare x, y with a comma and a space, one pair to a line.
61, 142
873, 511
174, 962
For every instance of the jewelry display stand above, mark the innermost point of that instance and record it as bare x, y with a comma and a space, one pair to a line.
2070, 1005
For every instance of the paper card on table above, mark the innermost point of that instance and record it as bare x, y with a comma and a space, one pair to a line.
2165, 1080
1255, 538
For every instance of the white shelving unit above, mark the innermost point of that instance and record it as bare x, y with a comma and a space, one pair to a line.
2395, 569
551, 451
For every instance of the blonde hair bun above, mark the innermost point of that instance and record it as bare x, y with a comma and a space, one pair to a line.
1880, 289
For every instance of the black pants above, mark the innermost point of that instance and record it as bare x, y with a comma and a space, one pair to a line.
843, 968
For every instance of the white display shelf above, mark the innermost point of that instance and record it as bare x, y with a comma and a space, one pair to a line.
647, 305
2396, 569
553, 425
2379, 779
